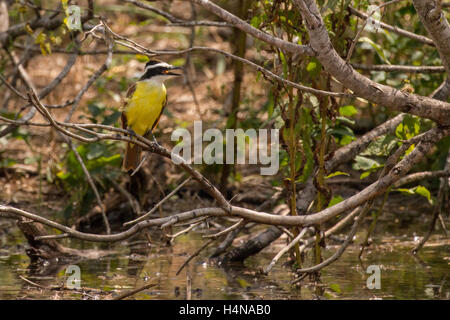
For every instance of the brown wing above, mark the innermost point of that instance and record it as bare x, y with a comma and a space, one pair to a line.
159, 117
130, 92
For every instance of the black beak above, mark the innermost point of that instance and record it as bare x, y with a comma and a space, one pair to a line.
172, 73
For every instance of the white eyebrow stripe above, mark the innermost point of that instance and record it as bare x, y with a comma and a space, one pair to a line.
161, 64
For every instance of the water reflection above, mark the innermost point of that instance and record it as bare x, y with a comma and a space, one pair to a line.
403, 276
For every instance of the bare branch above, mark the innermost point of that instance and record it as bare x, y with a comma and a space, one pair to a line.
435, 110
244, 26
394, 68
397, 30
177, 21
430, 14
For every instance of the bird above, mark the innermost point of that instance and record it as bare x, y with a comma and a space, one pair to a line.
143, 106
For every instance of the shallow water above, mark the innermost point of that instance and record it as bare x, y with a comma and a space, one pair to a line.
402, 275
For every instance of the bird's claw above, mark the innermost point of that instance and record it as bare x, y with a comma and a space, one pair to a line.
132, 133
154, 140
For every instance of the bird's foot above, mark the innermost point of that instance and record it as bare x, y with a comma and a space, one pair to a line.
132, 133
154, 139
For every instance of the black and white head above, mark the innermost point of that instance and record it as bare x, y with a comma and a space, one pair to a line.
159, 71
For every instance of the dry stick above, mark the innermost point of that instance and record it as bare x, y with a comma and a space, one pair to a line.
355, 40
342, 155
402, 167
223, 246
24, 97
177, 21
142, 50
437, 26
372, 225
112, 237
91, 183
52, 236
344, 246
26, 56
289, 234
194, 255
192, 226
225, 231
247, 28
44, 92
34, 283
93, 78
188, 284
399, 68
139, 140
389, 165
48, 22
133, 202
397, 30
436, 213
362, 86
187, 65
144, 158
182, 224
284, 250
264, 71
81, 53
413, 177
437, 209
328, 233
10, 87
143, 217
69, 141
134, 291
196, 213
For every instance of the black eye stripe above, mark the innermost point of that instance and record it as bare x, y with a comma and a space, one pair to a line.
153, 72
152, 62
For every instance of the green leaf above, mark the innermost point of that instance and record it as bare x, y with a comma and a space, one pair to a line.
335, 200
377, 48
409, 128
6, 163
423, 192
348, 111
112, 118
314, 68
256, 21
64, 4
381, 146
341, 131
94, 109
365, 174
142, 58
419, 190
335, 287
95, 150
346, 140
364, 163
243, 283
335, 174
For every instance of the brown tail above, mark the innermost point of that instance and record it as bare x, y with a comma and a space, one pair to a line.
132, 157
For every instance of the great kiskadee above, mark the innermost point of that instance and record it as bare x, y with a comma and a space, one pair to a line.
143, 106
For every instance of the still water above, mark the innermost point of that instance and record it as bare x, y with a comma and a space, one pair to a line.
402, 275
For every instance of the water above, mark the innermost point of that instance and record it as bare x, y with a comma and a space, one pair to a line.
402, 275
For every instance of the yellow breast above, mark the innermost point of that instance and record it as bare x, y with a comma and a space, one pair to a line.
145, 106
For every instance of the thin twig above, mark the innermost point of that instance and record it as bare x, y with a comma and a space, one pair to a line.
134, 291
229, 229
194, 255
285, 249
144, 216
